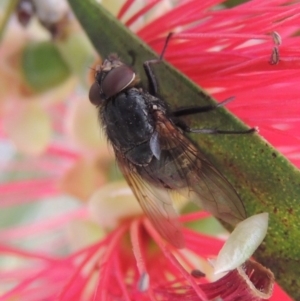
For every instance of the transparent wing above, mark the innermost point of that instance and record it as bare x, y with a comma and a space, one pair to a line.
205, 184
155, 202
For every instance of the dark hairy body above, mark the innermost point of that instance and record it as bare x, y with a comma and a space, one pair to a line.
154, 153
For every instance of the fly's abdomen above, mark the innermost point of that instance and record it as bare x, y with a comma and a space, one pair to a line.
171, 170
178, 159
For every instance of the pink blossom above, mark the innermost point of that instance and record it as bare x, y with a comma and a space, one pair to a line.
127, 265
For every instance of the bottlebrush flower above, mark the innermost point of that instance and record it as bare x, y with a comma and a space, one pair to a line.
130, 262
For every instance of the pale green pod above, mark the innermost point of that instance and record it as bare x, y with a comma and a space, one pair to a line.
242, 243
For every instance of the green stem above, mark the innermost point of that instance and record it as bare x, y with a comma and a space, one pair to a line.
11, 7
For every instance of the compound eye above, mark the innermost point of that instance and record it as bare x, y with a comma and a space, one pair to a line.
117, 80
94, 94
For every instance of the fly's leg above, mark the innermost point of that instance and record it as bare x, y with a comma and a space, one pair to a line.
194, 110
216, 131
197, 109
187, 129
153, 86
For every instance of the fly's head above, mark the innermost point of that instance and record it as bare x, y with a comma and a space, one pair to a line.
111, 78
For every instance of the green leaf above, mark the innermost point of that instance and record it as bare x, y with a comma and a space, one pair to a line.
265, 180
82, 54
42, 66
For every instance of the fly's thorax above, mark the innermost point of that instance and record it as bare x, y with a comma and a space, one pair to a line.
129, 123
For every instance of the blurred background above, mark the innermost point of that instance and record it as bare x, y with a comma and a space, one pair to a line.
53, 154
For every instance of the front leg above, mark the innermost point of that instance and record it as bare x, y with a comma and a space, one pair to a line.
153, 85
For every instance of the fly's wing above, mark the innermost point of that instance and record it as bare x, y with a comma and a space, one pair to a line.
155, 202
206, 186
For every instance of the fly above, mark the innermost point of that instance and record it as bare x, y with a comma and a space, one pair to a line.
153, 151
